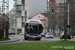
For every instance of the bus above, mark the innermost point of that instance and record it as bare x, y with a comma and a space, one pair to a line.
33, 29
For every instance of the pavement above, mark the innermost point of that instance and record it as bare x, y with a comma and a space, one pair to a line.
12, 39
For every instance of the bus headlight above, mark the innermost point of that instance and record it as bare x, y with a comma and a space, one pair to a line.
39, 35
27, 34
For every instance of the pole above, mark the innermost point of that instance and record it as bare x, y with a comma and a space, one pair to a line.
68, 13
3, 14
48, 11
73, 16
45, 25
7, 11
64, 23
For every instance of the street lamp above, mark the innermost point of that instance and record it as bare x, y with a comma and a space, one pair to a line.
65, 24
45, 23
48, 12
7, 11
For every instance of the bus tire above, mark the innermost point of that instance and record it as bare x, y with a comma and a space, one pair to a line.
25, 38
37, 39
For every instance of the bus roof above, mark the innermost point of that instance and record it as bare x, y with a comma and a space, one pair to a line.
33, 21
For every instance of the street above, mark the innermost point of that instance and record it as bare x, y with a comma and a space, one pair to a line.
21, 39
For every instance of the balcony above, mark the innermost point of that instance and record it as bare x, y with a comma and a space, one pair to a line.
18, 9
18, 15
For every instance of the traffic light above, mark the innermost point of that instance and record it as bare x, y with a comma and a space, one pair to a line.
52, 11
68, 26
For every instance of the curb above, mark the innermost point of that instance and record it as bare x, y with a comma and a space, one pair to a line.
9, 41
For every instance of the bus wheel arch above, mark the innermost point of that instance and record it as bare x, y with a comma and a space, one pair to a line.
25, 38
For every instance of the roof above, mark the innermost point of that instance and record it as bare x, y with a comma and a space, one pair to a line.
45, 14
33, 21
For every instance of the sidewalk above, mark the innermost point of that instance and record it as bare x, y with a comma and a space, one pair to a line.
12, 39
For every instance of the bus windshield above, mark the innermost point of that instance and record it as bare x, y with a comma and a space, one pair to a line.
34, 28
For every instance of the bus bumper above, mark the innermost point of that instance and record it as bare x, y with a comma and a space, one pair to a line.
33, 37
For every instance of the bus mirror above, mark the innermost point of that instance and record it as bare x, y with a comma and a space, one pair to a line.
25, 25
42, 27
28, 24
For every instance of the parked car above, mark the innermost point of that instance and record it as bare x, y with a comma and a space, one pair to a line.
49, 35
68, 36
22, 33
11, 33
43, 34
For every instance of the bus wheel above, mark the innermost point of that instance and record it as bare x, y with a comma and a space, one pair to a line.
37, 39
25, 38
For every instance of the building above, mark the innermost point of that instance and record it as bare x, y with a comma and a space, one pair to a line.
55, 9
57, 16
3, 21
43, 17
21, 13
25, 9
59, 8
12, 19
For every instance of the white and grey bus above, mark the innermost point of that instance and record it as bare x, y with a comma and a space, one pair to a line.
33, 29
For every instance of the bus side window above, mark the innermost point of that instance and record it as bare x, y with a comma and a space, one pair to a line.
42, 27
28, 27
31, 28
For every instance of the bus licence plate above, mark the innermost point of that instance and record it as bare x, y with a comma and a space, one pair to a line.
33, 37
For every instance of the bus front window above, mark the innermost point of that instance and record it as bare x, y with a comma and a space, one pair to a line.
34, 29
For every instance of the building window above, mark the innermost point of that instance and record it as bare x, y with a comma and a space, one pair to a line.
61, 18
53, 19
25, 13
18, 7
25, 18
23, 24
19, 31
61, 4
22, 19
44, 23
52, 0
23, 7
38, 16
18, 13
61, 24
61, 10
23, 1
52, 5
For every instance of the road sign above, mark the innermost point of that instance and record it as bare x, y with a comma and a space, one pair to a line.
56, 27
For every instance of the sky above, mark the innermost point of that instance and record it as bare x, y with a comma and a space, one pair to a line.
11, 4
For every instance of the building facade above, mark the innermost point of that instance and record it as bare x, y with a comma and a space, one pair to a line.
57, 16
3, 21
21, 13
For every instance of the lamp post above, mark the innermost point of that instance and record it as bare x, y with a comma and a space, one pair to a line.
7, 11
3, 14
45, 23
48, 12
65, 23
